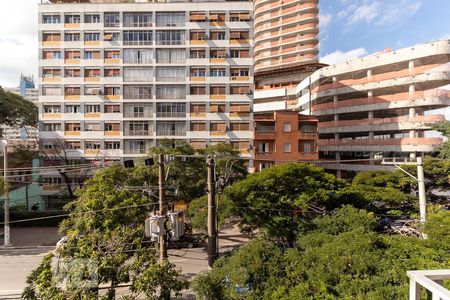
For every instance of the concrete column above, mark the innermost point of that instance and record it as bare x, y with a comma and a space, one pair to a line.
412, 88
336, 117
334, 79
412, 112
412, 155
370, 94
335, 99
372, 156
370, 114
411, 65
371, 135
369, 73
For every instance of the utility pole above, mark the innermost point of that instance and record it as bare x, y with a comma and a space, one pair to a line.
421, 183
162, 209
6, 196
212, 230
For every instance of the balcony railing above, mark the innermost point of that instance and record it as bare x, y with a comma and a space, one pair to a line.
164, 132
430, 280
138, 132
171, 114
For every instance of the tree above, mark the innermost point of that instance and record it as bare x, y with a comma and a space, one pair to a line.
444, 129
106, 227
15, 110
279, 198
338, 256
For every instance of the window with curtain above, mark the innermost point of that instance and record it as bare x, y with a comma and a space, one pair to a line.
138, 110
171, 110
170, 19
131, 74
51, 37
134, 128
197, 90
176, 128
92, 108
136, 146
170, 37
137, 56
137, 92
91, 36
170, 55
137, 37
72, 37
137, 19
197, 53
171, 92
111, 19
173, 74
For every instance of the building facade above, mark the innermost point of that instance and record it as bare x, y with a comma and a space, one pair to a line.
116, 78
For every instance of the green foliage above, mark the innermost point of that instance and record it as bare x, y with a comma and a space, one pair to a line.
437, 228
106, 225
444, 129
278, 198
14, 110
2, 186
338, 257
197, 212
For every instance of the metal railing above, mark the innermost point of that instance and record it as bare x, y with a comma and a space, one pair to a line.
431, 281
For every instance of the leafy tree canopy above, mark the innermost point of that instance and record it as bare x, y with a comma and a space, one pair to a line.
15, 110
444, 129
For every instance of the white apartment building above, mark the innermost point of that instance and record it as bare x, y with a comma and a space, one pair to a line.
116, 78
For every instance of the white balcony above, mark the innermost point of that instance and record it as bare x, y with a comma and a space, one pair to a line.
431, 281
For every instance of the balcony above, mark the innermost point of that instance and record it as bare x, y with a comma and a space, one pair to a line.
265, 134
431, 281
112, 133
138, 132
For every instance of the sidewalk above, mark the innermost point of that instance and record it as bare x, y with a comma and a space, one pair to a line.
32, 236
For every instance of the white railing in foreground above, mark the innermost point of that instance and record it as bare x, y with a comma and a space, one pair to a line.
431, 280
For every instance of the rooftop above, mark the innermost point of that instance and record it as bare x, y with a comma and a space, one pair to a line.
127, 1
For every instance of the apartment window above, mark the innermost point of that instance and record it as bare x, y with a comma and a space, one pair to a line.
135, 147
91, 126
238, 53
51, 37
71, 73
137, 19
217, 35
171, 92
137, 56
239, 16
218, 53
240, 126
91, 36
112, 54
91, 54
198, 108
217, 90
72, 55
197, 17
72, 91
110, 72
170, 19
170, 55
170, 37
137, 110
218, 127
112, 126
51, 180
240, 145
89, 72
173, 74
51, 90
239, 35
141, 37
72, 36
137, 74
72, 145
112, 145
112, 90
308, 128
197, 90
239, 72
52, 109
197, 72
137, 92
239, 90
91, 18
51, 19
171, 128
51, 54
216, 17
72, 127
111, 36
239, 108
197, 35
52, 127
112, 109
198, 126
111, 20
141, 128
307, 147
72, 19
92, 90
51, 73
197, 53
72, 109
286, 147
217, 108
217, 72
94, 145
170, 110
92, 108
287, 127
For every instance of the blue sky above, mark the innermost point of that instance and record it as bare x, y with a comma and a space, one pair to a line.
349, 28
